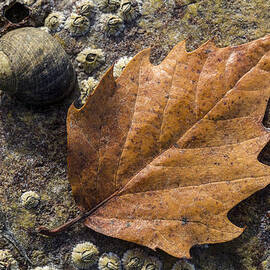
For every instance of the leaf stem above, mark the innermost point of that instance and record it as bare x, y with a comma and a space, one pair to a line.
52, 232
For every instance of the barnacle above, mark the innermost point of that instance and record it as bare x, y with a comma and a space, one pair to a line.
55, 21
114, 25
85, 8
152, 263
108, 5
89, 59
85, 255
30, 199
133, 259
183, 265
109, 261
7, 261
77, 25
120, 65
129, 10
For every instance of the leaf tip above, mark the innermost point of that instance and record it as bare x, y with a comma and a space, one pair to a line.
107, 81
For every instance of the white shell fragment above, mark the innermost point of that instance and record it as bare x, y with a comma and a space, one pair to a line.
87, 87
120, 65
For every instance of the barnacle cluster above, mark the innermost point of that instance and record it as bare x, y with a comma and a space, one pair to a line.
183, 265
7, 261
108, 5
107, 16
30, 199
85, 255
114, 15
45, 268
127, 9
77, 23
124, 11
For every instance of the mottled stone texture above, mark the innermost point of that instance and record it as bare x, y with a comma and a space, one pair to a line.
33, 140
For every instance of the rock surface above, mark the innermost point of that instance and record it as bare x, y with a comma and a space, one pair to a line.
33, 140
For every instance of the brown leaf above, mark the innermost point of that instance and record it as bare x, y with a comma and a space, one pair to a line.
179, 141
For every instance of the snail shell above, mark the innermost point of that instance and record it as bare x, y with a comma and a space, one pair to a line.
34, 67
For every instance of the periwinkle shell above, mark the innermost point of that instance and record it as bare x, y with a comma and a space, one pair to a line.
34, 67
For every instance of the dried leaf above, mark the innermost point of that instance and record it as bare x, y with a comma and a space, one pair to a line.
178, 141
